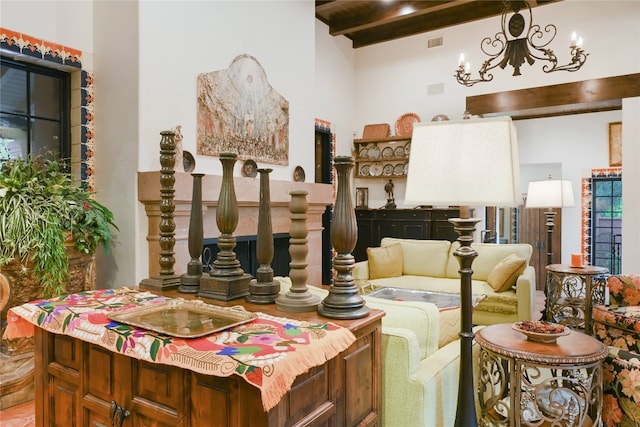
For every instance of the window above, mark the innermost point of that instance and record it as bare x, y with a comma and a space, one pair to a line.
607, 223
34, 110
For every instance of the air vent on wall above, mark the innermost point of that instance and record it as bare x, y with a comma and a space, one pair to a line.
435, 42
435, 89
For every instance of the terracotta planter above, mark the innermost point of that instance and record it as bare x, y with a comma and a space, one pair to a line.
16, 355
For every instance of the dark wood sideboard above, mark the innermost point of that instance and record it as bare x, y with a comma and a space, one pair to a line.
76, 382
427, 223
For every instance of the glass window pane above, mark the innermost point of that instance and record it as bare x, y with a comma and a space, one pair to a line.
45, 96
13, 90
603, 188
617, 187
45, 137
14, 135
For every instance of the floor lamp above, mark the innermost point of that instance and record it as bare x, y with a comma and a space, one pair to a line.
464, 163
549, 194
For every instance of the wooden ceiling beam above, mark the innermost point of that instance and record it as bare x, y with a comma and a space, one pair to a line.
394, 12
561, 99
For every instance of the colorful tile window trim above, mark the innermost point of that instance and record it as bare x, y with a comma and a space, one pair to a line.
49, 52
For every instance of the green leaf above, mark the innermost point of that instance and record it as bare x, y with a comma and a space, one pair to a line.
155, 346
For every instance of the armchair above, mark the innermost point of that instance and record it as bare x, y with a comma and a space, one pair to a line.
420, 360
618, 326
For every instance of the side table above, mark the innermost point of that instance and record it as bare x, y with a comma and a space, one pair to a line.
523, 382
570, 294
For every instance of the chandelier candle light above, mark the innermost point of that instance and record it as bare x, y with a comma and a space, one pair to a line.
507, 47
471, 162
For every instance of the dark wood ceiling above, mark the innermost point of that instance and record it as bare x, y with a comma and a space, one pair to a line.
368, 22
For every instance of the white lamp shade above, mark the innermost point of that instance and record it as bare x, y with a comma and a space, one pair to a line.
550, 193
464, 162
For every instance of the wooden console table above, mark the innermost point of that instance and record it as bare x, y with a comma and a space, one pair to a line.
523, 382
79, 383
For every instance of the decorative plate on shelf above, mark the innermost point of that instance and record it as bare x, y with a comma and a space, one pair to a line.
374, 152
249, 168
405, 169
364, 170
404, 124
188, 162
387, 170
407, 148
387, 152
398, 169
541, 330
364, 153
298, 174
376, 169
399, 151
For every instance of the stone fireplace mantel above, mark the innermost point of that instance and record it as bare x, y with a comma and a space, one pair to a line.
247, 194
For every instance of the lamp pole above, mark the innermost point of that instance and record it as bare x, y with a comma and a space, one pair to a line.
466, 410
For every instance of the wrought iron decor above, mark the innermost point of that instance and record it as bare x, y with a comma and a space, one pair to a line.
507, 47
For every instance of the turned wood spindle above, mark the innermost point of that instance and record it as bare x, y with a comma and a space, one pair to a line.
166, 278
263, 289
190, 281
343, 301
299, 298
227, 280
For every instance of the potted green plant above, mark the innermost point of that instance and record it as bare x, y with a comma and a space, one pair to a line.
44, 215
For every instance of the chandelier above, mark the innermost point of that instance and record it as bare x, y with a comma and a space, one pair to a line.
514, 50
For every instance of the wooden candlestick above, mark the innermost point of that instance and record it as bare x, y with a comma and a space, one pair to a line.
190, 281
227, 280
166, 279
299, 298
343, 301
263, 289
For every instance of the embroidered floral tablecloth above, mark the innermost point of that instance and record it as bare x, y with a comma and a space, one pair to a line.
268, 352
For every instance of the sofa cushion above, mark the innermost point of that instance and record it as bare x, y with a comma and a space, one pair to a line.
422, 257
385, 261
506, 272
489, 254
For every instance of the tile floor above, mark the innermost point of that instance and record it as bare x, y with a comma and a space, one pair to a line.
24, 415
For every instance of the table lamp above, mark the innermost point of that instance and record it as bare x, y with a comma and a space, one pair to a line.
464, 163
549, 194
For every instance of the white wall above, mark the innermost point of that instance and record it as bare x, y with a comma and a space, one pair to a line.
334, 93
630, 185
65, 22
148, 55
395, 77
117, 156
179, 40
578, 143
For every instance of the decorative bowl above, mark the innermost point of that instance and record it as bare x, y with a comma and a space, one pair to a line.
541, 330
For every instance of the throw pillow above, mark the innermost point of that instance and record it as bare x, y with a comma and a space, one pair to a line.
506, 272
385, 261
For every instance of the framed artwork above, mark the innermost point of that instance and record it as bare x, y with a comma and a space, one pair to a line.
615, 144
362, 198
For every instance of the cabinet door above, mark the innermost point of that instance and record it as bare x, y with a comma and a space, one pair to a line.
103, 382
158, 394
533, 230
58, 392
365, 234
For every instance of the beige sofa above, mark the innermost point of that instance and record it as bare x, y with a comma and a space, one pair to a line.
420, 360
431, 266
